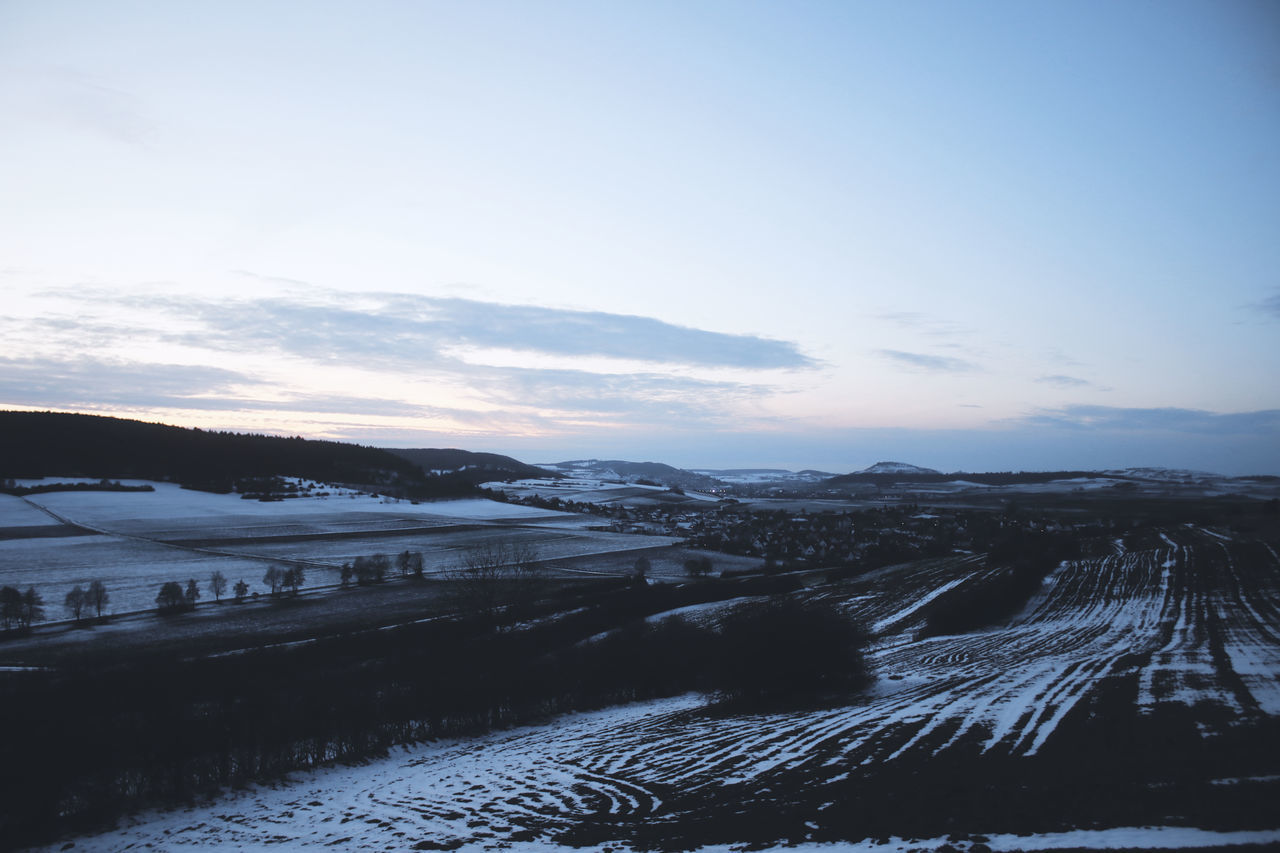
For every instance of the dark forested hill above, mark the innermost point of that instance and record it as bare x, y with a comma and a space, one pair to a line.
49, 444
469, 466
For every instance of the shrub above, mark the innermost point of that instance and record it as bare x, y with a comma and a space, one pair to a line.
788, 650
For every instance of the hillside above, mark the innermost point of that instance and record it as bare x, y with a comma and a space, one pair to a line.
470, 466
757, 476
50, 444
899, 468
635, 472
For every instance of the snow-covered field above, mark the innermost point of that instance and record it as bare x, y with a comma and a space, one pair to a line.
1191, 628
601, 492
136, 541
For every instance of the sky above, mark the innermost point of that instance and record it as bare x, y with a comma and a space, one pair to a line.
969, 236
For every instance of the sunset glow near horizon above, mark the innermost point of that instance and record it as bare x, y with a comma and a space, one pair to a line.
989, 236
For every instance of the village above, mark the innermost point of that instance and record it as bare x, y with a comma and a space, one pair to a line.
850, 540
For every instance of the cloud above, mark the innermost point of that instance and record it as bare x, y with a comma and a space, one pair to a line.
1270, 305
94, 384
1266, 422
1059, 380
656, 399
413, 342
410, 331
925, 323
930, 363
340, 405
88, 382
595, 333
82, 103
273, 279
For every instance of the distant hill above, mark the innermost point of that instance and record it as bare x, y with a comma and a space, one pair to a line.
758, 476
897, 468
50, 444
472, 467
635, 472
888, 473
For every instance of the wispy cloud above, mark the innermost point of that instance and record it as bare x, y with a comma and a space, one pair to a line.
415, 330
1197, 421
414, 343
594, 333
1059, 380
929, 363
925, 323
1271, 305
272, 279
88, 382
95, 384
83, 103
643, 397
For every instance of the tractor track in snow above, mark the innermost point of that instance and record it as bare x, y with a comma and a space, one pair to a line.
1196, 620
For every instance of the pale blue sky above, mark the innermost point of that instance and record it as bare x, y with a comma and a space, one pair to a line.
983, 235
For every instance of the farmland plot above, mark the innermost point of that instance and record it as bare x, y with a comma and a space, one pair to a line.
136, 541
16, 514
1135, 690
132, 570
442, 549
143, 512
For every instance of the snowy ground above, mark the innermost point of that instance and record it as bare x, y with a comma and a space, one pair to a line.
136, 541
1190, 628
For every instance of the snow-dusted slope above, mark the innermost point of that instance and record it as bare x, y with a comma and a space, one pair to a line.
896, 468
1189, 625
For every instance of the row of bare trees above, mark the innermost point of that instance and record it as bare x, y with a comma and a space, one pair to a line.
20, 609
488, 576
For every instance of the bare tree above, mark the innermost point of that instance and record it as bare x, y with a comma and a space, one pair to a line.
496, 573
170, 599
371, 569
274, 578
241, 590
698, 567
217, 583
97, 596
32, 607
76, 601
410, 563
10, 606
192, 593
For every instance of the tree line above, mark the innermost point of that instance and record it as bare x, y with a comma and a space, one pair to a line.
42, 444
20, 610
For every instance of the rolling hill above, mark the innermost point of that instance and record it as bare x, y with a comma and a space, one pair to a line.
471, 467
53, 444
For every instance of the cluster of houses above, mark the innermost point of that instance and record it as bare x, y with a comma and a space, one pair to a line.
868, 537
